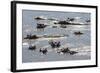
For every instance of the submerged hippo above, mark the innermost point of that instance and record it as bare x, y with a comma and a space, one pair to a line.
66, 50
55, 44
32, 47
44, 51
41, 26
31, 37
78, 33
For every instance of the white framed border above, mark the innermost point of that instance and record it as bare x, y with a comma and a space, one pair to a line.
38, 65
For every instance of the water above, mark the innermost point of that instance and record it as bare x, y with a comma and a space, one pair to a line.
80, 43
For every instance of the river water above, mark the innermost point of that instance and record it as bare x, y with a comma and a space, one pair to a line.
80, 43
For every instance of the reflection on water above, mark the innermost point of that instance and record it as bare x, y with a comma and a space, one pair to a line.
79, 43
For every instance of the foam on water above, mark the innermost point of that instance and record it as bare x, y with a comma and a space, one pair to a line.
25, 44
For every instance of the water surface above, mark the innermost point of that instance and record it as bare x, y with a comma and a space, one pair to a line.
81, 43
